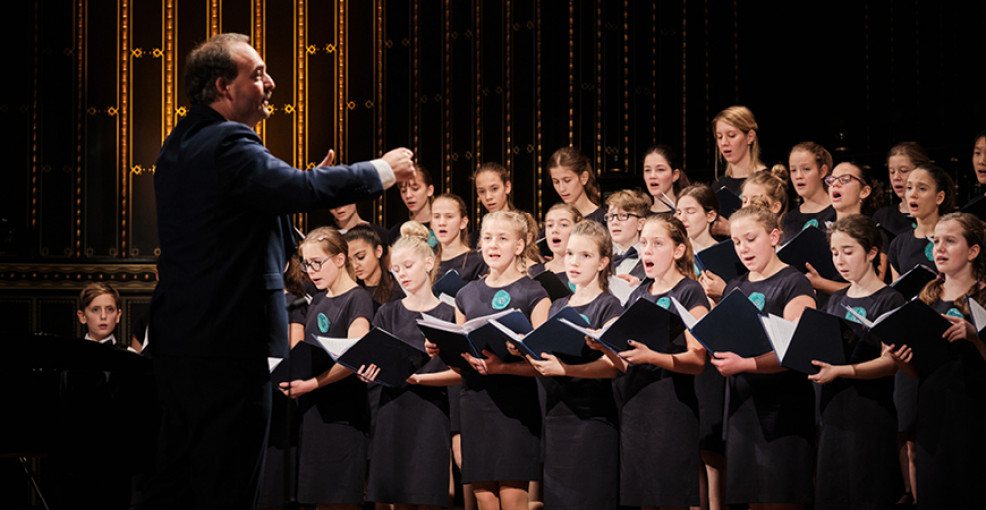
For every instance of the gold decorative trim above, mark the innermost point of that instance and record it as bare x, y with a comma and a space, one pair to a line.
378, 40
538, 119
215, 17
415, 78
599, 159
259, 39
123, 125
571, 73
73, 276
301, 90
168, 69
478, 63
81, 64
684, 83
447, 92
507, 50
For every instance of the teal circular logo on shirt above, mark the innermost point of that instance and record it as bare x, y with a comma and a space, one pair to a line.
929, 251
810, 223
859, 310
571, 286
664, 302
432, 240
323, 323
758, 299
501, 299
586, 319
954, 312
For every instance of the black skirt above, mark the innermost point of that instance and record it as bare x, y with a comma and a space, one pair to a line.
659, 438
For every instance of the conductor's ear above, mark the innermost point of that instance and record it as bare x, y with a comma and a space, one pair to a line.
222, 86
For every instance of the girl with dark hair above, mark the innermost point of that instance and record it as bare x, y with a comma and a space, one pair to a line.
575, 182
663, 178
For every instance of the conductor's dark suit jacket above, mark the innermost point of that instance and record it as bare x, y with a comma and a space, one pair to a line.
222, 200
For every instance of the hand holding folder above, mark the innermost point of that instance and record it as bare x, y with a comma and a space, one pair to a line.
720, 259
916, 325
454, 340
644, 322
378, 356
553, 337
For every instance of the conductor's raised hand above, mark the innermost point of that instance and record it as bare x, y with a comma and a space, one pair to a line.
330, 158
400, 161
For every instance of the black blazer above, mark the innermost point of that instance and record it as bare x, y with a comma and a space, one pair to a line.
222, 200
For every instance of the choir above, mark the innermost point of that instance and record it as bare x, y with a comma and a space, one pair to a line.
638, 427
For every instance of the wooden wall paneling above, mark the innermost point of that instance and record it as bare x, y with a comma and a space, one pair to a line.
18, 111
671, 84
322, 102
492, 111
587, 45
101, 218
147, 116
280, 130
17, 314
360, 113
237, 16
55, 173
461, 101
429, 86
398, 92
696, 142
558, 85
643, 80
609, 82
57, 315
523, 103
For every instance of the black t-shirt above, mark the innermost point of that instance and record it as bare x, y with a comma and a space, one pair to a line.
795, 221
907, 251
469, 265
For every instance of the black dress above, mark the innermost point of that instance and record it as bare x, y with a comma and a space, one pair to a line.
335, 418
905, 252
500, 414
858, 465
890, 219
733, 184
770, 423
409, 455
659, 419
598, 215
539, 268
581, 440
949, 435
469, 265
271, 491
794, 221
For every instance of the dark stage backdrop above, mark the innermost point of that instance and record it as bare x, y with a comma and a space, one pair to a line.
93, 87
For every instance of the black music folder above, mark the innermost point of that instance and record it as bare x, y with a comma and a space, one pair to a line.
817, 336
729, 202
733, 325
643, 322
396, 358
553, 285
811, 246
721, 259
553, 337
913, 281
472, 337
916, 325
450, 283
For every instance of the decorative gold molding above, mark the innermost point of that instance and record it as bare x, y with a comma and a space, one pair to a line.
123, 124
571, 72
72, 276
538, 128
447, 92
507, 49
80, 52
341, 92
215, 17
168, 68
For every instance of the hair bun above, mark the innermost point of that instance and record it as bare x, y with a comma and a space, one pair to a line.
414, 229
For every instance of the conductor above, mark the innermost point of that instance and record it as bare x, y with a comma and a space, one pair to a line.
218, 310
